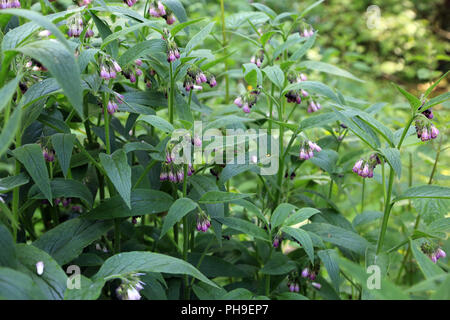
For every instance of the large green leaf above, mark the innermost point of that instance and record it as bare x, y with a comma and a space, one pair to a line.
328, 68
245, 227
8, 90
339, 236
148, 47
30, 155
303, 237
8, 252
212, 197
66, 241
198, 38
300, 216
11, 182
9, 131
63, 145
392, 156
53, 281
158, 123
142, 202
425, 191
330, 260
64, 188
119, 172
133, 262
413, 101
15, 285
62, 65
281, 213
276, 75
177, 211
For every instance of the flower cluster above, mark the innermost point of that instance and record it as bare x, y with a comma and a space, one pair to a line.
293, 282
65, 202
434, 253
129, 3
109, 68
314, 106
247, 100
203, 222
428, 113
365, 168
307, 33
49, 155
258, 58
425, 129
277, 240
113, 104
35, 65
295, 96
172, 51
307, 149
195, 77
130, 287
6, 4
172, 171
131, 73
75, 25
311, 275
158, 9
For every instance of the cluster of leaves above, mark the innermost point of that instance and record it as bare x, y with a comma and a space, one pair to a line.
81, 181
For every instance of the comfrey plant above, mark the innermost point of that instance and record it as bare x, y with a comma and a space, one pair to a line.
209, 158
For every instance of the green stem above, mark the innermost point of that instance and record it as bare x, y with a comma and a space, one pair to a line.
362, 195
16, 194
144, 174
387, 211
171, 92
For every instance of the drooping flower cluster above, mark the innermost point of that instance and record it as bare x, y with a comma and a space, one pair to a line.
65, 202
113, 104
307, 33
307, 149
258, 58
7, 4
195, 77
314, 106
130, 3
35, 65
75, 25
130, 287
434, 253
295, 96
311, 275
109, 68
365, 168
247, 100
293, 282
428, 113
173, 172
425, 129
172, 51
131, 73
49, 155
158, 9
203, 222
277, 240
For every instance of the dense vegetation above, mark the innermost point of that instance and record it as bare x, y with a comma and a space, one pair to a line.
223, 150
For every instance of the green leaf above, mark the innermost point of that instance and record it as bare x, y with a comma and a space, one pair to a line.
308, 9
213, 266
291, 296
103, 29
9, 183
63, 145
339, 236
66, 188
9, 131
328, 68
177, 8
265, 9
119, 172
245, 227
222, 196
431, 88
413, 101
366, 217
62, 65
199, 37
15, 285
428, 268
116, 35
436, 100
232, 170
41, 21
425, 191
8, 252
177, 211
53, 281
392, 155
281, 213
326, 159
304, 48
149, 47
275, 75
278, 264
142, 202
300, 216
8, 90
158, 123
330, 260
88, 290
132, 262
252, 74
30, 155
225, 121
66, 241
303, 237
313, 87
183, 25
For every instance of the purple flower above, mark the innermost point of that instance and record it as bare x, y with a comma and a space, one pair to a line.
434, 132
316, 285
170, 19
138, 62
161, 8
305, 273
238, 102
246, 108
